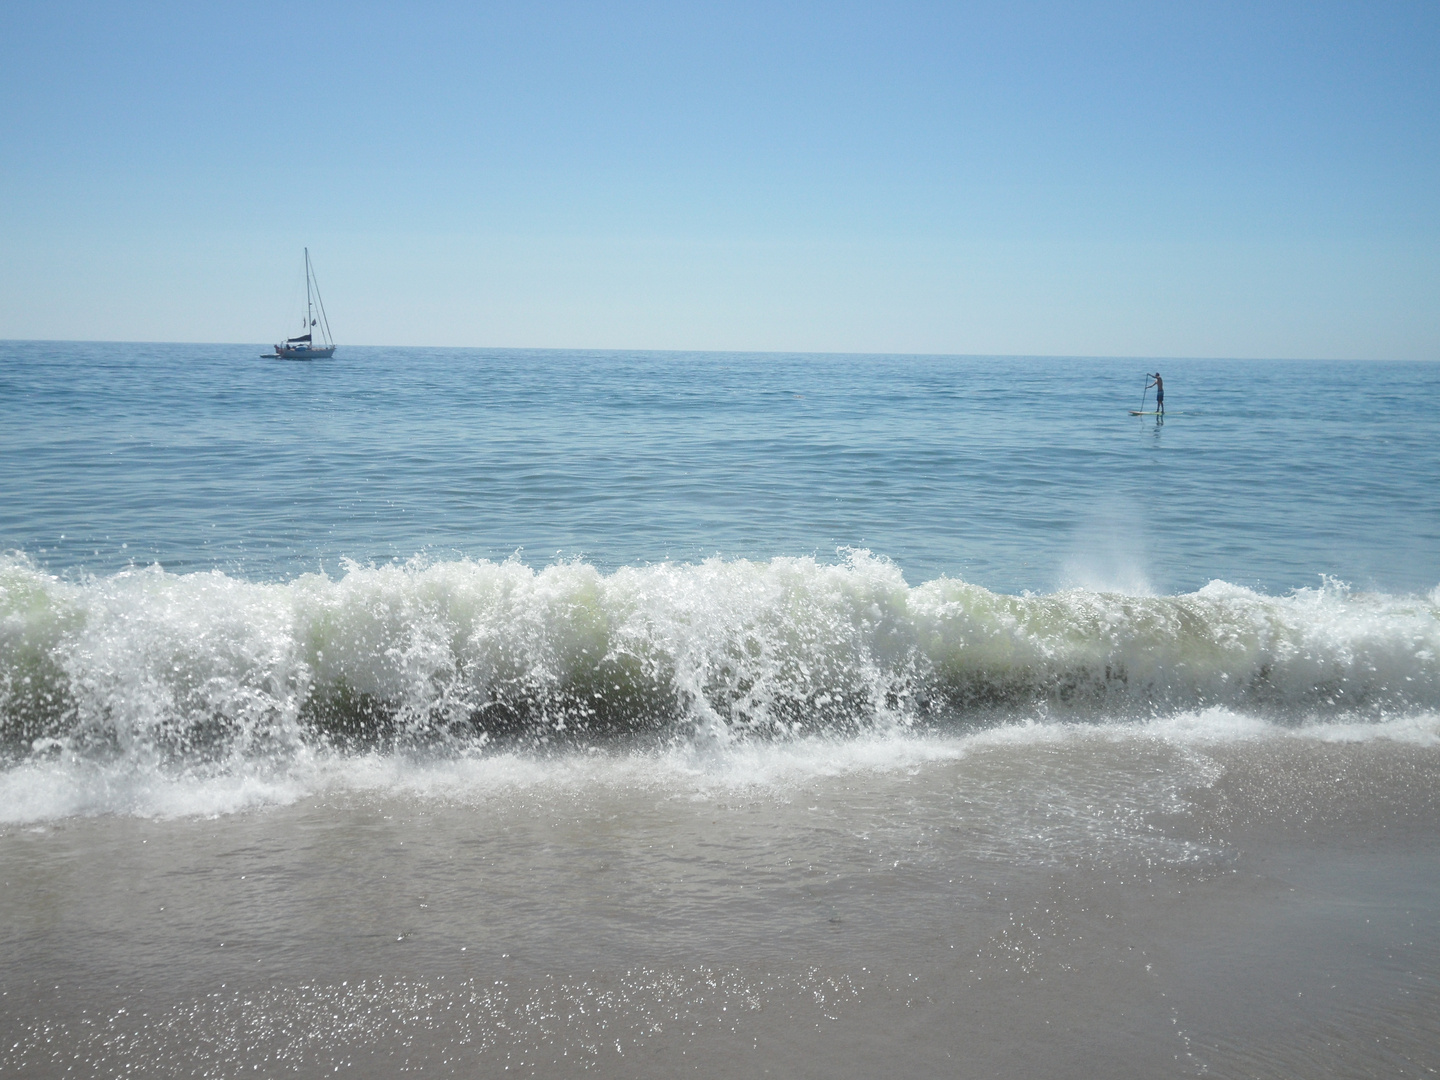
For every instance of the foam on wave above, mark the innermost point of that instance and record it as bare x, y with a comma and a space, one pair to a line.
201, 674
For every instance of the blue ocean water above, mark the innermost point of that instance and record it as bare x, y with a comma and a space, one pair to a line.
494, 711
221, 562
1011, 473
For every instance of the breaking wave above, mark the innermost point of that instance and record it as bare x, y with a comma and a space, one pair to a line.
204, 667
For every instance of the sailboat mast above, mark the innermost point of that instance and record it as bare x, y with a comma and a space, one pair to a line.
304, 345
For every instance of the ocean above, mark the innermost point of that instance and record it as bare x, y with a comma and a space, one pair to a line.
477, 712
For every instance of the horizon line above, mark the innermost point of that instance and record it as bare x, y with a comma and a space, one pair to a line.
753, 352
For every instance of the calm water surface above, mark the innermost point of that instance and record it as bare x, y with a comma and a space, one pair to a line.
475, 712
1012, 473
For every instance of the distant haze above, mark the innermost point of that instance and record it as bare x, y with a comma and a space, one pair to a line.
1157, 180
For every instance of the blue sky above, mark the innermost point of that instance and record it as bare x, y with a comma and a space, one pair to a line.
1112, 179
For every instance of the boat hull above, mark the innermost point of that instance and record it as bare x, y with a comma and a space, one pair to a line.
283, 352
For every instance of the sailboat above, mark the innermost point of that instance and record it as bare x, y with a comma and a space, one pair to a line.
304, 346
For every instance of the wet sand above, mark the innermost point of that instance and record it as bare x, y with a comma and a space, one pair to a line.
1098, 905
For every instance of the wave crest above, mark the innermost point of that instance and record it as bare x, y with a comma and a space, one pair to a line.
199, 668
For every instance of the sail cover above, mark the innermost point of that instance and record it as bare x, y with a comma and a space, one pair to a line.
292, 340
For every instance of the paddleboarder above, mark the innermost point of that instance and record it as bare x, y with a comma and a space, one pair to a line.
1159, 385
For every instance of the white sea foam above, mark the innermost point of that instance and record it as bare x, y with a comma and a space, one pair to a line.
46, 790
156, 693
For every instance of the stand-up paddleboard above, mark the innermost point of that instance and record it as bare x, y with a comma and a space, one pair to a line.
1152, 412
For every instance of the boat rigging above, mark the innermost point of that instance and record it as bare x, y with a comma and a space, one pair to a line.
303, 346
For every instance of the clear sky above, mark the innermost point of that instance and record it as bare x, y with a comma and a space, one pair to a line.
1205, 179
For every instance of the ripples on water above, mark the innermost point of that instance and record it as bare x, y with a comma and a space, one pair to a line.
1011, 473
650, 713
